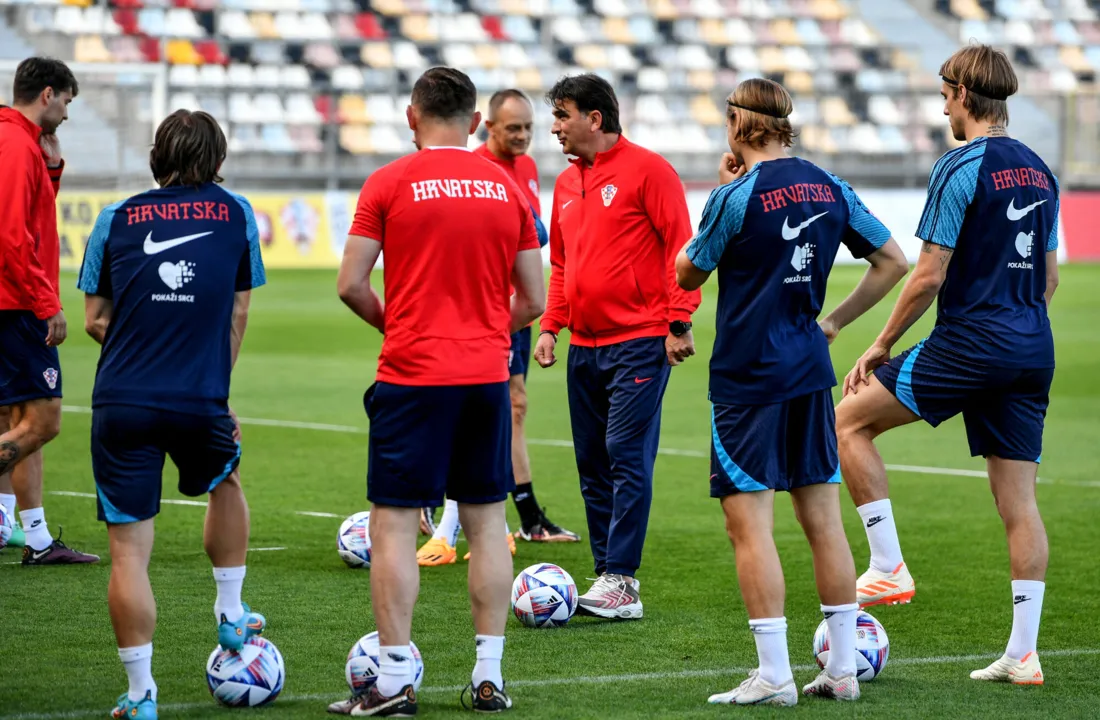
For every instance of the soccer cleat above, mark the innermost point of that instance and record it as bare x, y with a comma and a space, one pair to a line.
879, 588
427, 522
827, 686
436, 552
547, 532
403, 704
486, 698
232, 635
144, 709
511, 546
18, 538
56, 554
612, 597
1025, 671
754, 690
343, 707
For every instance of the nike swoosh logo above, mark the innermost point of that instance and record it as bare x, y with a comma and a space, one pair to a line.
152, 248
639, 381
790, 233
1013, 214
39, 554
874, 521
566, 204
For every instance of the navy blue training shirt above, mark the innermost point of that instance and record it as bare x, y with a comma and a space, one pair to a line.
171, 261
996, 204
773, 235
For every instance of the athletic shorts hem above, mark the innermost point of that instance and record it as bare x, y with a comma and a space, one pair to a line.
433, 502
8, 402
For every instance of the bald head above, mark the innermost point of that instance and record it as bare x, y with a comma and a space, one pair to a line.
510, 123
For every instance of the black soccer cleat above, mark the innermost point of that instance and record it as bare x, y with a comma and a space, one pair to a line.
487, 698
403, 704
56, 554
543, 530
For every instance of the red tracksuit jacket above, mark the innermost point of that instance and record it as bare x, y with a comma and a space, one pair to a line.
30, 253
615, 231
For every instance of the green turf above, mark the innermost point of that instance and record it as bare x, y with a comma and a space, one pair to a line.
307, 359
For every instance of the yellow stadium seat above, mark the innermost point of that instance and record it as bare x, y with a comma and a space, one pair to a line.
783, 31
377, 55
703, 80
663, 9
799, 82
392, 8
529, 79
352, 109
264, 25
592, 57
515, 7
488, 55
828, 10
713, 32
356, 139
419, 28
617, 31
182, 52
90, 49
78, 3
1074, 58
705, 111
968, 10
834, 111
772, 60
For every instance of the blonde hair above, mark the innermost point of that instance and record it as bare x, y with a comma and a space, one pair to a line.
989, 80
759, 111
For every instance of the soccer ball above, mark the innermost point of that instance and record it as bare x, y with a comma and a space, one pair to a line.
872, 646
249, 677
353, 541
6, 527
544, 595
361, 670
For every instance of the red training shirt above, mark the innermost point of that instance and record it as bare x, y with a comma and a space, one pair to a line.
30, 252
616, 229
522, 170
450, 225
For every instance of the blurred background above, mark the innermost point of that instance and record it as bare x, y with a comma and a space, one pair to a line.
311, 93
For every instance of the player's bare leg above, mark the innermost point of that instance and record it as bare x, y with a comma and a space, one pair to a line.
225, 539
7, 493
1013, 485
860, 418
490, 582
133, 611
394, 587
817, 508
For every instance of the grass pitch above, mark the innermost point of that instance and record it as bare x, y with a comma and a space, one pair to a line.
306, 359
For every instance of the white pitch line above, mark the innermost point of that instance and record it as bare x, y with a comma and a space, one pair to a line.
545, 442
309, 513
270, 549
733, 672
167, 501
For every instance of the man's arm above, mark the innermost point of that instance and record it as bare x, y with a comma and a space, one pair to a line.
688, 276
97, 316
919, 292
557, 308
666, 205
888, 265
527, 278
1052, 275
241, 301
353, 281
18, 259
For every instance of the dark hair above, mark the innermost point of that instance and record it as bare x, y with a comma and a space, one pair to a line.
589, 92
188, 149
35, 74
502, 96
445, 94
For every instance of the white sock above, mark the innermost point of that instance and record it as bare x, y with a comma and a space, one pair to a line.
395, 669
448, 527
34, 525
138, 662
1027, 606
842, 638
490, 649
8, 501
882, 534
771, 648
507, 530
228, 602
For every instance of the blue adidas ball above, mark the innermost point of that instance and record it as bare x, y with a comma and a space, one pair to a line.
249, 677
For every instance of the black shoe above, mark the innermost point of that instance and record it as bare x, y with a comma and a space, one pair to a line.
403, 704
545, 531
56, 554
487, 698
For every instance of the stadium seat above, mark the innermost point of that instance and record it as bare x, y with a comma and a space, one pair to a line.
91, 49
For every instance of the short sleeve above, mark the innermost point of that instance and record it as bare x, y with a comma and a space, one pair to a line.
1052, 240
370, 211
250, 272
95, 270
865, 233
951, 189
722, 220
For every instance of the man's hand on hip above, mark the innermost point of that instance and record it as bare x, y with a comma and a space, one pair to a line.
679, 348
544, 350
57, 330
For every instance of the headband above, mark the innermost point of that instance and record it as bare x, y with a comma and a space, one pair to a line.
762, 112
976, 90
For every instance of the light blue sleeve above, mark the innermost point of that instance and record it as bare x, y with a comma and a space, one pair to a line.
251, 275
91, 279
870, 234
951, 189
723, 217
1052, 241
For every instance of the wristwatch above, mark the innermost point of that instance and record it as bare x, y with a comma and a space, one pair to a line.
679, 327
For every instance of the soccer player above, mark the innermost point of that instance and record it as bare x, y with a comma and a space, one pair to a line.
32, 323
772, 230
509, 123
458, 237
620, 215
990, 232
167, 277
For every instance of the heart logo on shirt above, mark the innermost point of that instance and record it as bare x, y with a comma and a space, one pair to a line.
176, 275
1023, 243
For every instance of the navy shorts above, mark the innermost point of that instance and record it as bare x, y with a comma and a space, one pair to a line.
129, 445
1003, 408
29, 368
436, 441
519, 355
782, 446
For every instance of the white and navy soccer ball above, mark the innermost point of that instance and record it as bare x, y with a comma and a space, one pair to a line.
353, 540
872, 646
249, 677
361, 670
544, 595
6, 527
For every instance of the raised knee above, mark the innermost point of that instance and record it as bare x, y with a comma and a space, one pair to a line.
849, 427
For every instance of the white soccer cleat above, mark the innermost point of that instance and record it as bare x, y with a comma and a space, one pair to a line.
878, 588
756, 691
827, 686
1026, 671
